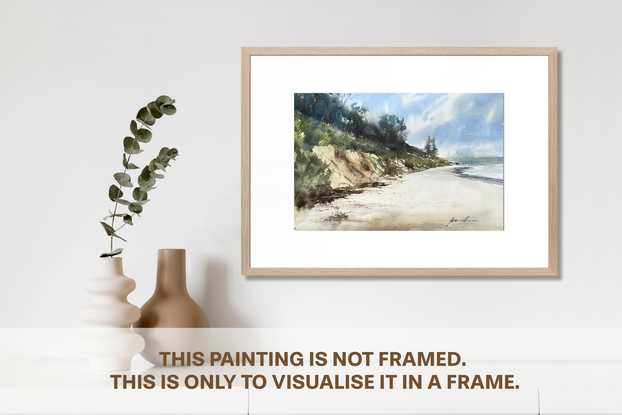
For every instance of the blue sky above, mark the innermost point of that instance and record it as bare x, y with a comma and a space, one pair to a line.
463, 124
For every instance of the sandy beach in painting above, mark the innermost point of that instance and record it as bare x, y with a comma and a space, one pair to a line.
430, 200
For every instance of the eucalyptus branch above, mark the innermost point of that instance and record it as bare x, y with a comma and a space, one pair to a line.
117, 230
116, 204
147, 117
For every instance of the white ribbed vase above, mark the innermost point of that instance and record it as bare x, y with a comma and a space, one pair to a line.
110, 344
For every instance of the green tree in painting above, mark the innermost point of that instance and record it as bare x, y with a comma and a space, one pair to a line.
430, 148
434, 148
367, 146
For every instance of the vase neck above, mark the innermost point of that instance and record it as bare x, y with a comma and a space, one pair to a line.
108, 267
171, 276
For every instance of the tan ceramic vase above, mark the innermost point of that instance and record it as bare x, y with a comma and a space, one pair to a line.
171, 322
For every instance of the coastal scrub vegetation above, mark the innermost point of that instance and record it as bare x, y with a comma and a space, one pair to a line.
374, 147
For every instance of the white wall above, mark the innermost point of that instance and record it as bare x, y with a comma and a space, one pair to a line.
75, 72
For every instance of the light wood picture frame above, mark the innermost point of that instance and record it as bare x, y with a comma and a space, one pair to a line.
525, 245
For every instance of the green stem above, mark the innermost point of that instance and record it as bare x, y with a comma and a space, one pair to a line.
116, 204
125, 223
142, 192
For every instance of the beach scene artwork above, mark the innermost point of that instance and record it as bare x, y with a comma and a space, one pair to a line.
398, 162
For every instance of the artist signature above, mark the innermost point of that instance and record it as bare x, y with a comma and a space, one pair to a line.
454, 220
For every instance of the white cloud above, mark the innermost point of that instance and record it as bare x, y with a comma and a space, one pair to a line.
443, 110
408, 99
453, 120
491, 114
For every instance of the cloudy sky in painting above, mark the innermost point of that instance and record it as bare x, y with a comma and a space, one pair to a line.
463, 124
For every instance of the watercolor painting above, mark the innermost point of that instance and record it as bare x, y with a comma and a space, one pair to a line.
398, 162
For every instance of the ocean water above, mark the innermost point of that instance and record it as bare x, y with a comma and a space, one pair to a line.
490, 173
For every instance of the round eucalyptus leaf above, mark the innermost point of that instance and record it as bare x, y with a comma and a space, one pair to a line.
154, 110
164, 100
123, 179
128, 219
129, 142
156, 175
145, 174
114, 193
143, 135
144, 117
172, 153
139, 194
152, 165
168, 109
131, 146
146, 183
133, 127
162, 163
135, 208
122, 202
163, 153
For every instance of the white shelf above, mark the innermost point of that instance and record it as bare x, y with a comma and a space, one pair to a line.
583, 401
385, 402
110, 401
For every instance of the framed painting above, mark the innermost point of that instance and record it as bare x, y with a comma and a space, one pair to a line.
399, 161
